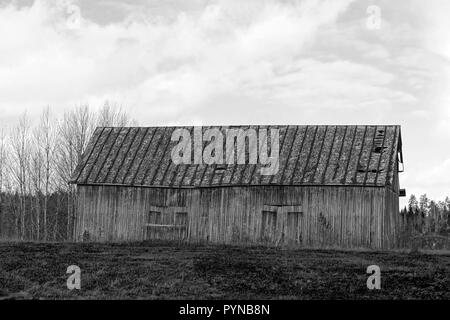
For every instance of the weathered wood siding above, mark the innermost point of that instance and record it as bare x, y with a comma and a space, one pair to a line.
312, 216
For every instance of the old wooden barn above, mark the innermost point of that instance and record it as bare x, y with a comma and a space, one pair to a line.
336, 186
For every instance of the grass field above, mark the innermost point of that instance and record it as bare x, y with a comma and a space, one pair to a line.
172, 271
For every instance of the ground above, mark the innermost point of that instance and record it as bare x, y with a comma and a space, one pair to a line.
175, 271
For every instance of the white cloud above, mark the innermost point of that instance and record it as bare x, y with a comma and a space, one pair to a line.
229, 61
163, 67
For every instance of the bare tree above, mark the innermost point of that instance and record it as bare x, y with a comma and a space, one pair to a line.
43, 164
2, 158
36, 178
112, 115
36, 164
74, 132
20, 145
2, 176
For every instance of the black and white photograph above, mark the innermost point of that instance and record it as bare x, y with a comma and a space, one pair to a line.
224, 155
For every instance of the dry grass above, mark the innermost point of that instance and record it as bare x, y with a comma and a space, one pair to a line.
174, 271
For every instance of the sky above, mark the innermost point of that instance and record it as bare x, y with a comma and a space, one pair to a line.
198, 62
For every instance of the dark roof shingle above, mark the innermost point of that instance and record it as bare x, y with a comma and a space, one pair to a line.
309, 155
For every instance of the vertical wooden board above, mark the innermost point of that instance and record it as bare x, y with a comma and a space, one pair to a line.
109, 236
89, 211
96, 222
93, 218
116, 226
215, 215
227, 202
194, 199
103, 213
374, 224
80, 213
212, 213
123, 212
114, 212
366, 227
126, 213
112, 204
337, 205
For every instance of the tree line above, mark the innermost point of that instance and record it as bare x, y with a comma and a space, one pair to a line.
37, 159
427, 216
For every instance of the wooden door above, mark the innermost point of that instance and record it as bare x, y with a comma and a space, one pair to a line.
293, 228
167, 223
269, 226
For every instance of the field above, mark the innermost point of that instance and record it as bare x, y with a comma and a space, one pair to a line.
174, 271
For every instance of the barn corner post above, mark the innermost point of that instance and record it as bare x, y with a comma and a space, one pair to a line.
333, 185
74, 214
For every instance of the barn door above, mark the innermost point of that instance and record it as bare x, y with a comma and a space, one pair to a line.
269, 225
167, 223
293, 227
281, 224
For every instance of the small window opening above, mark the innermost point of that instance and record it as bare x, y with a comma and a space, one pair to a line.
181, 218
154, 217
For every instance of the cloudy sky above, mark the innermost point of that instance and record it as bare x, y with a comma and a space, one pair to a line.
241, 62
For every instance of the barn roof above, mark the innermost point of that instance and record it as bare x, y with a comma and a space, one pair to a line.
309, 155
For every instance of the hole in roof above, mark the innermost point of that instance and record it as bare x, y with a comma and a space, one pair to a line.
379, 149
220, 167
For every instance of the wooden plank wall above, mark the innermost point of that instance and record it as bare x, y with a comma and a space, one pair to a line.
344, 217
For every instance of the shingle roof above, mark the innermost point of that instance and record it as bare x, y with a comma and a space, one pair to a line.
309, 155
